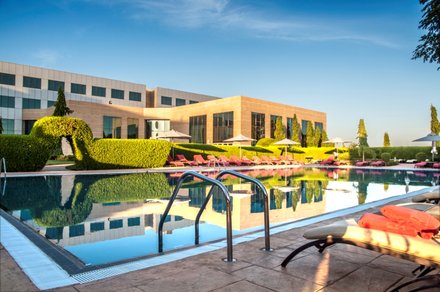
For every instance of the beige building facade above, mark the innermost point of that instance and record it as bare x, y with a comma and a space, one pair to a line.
119, 109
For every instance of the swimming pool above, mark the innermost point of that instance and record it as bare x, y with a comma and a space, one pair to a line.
104, 219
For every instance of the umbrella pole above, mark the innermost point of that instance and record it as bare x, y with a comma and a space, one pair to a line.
239, 147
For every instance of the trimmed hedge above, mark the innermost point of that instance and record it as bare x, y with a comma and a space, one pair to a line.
25, 153
408, 152
264, 142
133, 187
126, 153
421, 156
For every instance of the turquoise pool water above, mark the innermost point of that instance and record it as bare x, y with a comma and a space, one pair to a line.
104, 219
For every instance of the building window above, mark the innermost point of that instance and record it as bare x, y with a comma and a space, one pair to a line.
154, 127
55, 85
112, 127
7, 101
132, 128
304, 126
116, 93
193, 101
135, 96
273, 123
50, 103
166, 100
115, 224
77, 88
31, 82
319, 125
76, 230
135, 221
96, 226
98, 91
29, 103
223, 126
7, 79
27, 126
257, 126
8, 126
180, 101
197, 129
289, 128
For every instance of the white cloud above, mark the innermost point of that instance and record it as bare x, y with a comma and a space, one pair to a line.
224, 15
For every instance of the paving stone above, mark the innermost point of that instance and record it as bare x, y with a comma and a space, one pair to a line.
201, 279
393, 264
417, 285
365, 279
243, 286
276, 280
322, 269
12, 277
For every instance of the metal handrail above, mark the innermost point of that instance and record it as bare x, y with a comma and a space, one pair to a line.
228, 209
3, 165
265, 206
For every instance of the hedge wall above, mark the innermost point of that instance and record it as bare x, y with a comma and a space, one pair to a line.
25, 153
407, 152
126, 153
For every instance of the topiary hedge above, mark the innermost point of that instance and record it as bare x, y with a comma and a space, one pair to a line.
264, 142
126, 153
25, 153
403, 152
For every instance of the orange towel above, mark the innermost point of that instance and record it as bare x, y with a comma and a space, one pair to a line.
378, 222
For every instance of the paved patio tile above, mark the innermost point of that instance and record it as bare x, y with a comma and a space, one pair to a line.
395, 265
201, 279
276, 280
417, 285
321, 269
10, 270
243, 286
365, 279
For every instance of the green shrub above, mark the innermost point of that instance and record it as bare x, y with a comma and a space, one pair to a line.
421, 156
402, 152
264, 142
57, 127
385, 157
126, 153
24, 152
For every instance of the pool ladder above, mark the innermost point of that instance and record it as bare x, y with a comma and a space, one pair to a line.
225, 192
2, 168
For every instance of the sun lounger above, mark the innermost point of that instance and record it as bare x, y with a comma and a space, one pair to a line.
425, 252
362, 163
378, 163
185, 161
432, 197
200, 160
172, 162
421, 164
256, 160
246, 160
266, 160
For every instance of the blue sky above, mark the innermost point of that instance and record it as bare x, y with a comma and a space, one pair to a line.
350, 59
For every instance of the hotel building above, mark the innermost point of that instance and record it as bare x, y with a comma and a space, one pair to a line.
119, 109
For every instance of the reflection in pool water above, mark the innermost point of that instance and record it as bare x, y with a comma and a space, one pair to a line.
107, 218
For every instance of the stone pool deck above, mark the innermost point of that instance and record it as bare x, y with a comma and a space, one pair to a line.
339, 268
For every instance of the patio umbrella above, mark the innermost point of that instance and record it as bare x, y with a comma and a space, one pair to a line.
173, 134
286, 142
431, 137
240, 138
336, 141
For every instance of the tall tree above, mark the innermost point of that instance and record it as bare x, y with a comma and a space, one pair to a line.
324, 136
386, 140
296, 130
429, 44
435, 124
1, 125
279, 133
362, 133
310, 141
317, 137
61, 108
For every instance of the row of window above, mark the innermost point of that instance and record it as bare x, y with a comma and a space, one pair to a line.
224, 124
54, 85
112, 127
167, 100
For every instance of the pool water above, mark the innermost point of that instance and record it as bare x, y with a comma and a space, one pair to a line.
104, 219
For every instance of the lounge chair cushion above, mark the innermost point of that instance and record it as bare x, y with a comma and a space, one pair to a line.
431, 196
378, 222
419, 250
423, 222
